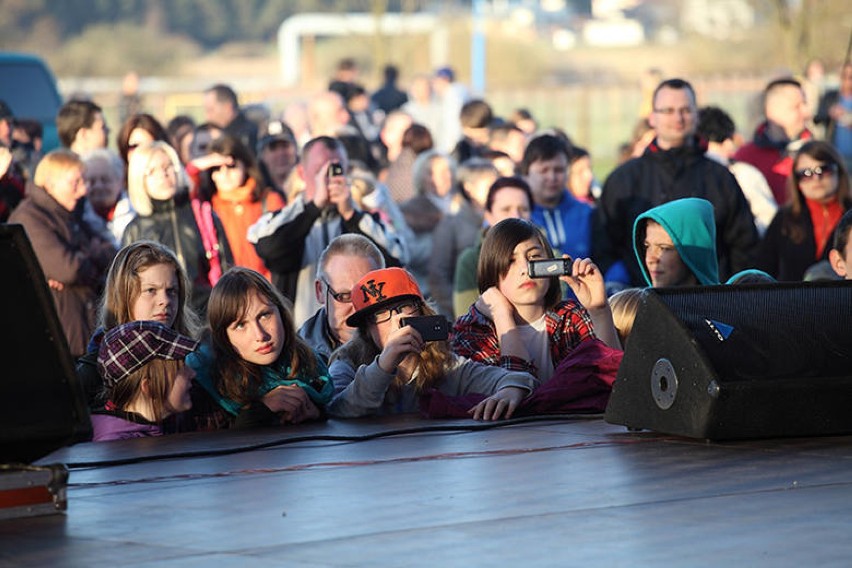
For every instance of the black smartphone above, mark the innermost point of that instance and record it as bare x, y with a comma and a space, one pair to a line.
548, 267
431, 328
335, 169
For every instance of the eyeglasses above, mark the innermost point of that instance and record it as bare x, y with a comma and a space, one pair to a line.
670, 111
407, 308
342, 297
816, 172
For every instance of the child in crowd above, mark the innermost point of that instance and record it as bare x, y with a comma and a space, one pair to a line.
145, 282
387, 366
255, 366
625, 305
145, 378
522, 323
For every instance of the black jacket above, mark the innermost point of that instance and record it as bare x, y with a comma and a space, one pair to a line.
172, 223
660, 176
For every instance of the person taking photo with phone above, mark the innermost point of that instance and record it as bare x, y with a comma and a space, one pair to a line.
523, 323
387, 366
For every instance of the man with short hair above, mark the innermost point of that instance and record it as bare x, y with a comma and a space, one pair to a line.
671, 167
81, 126
779, 136
567, 221
291, 240
675, 244
222, 109
345, 260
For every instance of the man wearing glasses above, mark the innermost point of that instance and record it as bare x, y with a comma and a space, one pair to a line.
341, 265
673, 166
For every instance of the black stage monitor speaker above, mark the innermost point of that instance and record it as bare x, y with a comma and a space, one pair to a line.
42, 407
748, 361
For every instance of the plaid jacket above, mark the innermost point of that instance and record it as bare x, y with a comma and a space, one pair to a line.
475, 337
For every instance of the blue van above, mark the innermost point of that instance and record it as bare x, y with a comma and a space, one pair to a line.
29, 88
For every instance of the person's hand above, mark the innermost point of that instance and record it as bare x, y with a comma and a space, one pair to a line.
401, 342
55, 284
587, 282
501, 404
292, 403
212, 161
340, 195
495, 306
321, 189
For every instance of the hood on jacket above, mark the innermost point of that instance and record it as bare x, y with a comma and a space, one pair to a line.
692, 227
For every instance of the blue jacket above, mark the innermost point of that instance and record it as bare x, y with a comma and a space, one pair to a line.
568, 226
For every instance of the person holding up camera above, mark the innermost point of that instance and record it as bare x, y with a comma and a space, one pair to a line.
394, 359
520, 320
290, 240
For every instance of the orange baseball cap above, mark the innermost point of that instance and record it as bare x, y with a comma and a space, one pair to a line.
381, 288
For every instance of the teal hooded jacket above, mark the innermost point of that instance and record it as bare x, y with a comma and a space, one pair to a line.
692, 227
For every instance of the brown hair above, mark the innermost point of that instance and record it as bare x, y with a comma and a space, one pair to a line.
497, 250
161, 375
123, 286
824, 152
237, 378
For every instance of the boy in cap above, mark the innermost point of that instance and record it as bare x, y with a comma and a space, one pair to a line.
142, 364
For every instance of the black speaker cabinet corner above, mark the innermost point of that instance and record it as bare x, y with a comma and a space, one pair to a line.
735, 362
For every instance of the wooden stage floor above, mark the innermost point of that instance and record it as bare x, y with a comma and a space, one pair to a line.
568, 491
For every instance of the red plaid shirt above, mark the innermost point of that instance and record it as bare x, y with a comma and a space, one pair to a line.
475, 337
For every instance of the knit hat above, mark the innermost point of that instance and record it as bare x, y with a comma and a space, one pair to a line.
381, 288
128, 347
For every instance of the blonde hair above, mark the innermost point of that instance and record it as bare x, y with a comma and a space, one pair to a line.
137, 169
56, 163
624, 305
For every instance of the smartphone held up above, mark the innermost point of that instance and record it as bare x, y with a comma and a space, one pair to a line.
549, 267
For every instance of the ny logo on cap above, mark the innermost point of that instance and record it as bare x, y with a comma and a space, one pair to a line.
371, 289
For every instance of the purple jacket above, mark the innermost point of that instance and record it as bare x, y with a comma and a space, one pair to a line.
108, 427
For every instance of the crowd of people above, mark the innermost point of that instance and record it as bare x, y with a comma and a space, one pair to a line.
237, 273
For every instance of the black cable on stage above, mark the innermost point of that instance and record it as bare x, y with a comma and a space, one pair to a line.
474, 427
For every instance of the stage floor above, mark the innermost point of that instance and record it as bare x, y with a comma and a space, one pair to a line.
571, 491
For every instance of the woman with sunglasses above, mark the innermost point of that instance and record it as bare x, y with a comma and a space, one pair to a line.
234, 186
387, 365
800, 234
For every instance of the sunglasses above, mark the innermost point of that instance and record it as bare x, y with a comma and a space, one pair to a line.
816, 172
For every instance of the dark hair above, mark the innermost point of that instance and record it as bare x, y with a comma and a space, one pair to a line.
237, 378
841, 233
391, 73
498, 248
476, 114
824, 152
504, 182
147, 123
224, 94
418, 138
232, 147
714, 124
677, 84
73, 116
576, 153
543, 147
